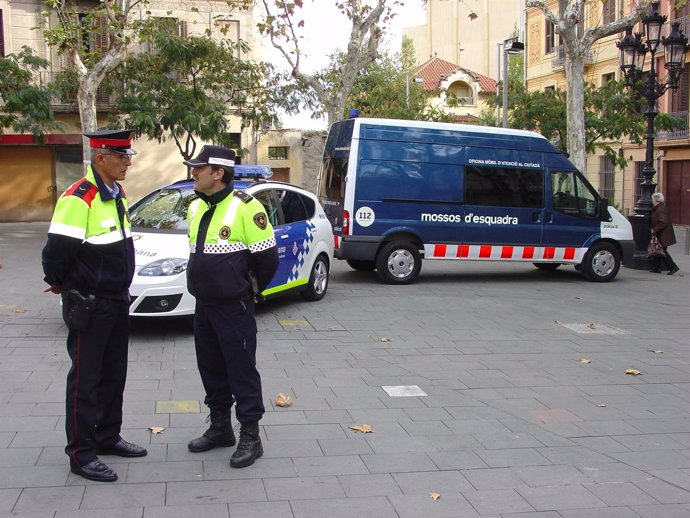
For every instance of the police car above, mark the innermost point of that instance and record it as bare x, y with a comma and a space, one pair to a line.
304, 238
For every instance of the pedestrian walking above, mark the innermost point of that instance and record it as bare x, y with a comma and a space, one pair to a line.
663, 230
89, 260
233, 257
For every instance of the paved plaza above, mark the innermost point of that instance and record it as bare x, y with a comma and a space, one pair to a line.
491, 390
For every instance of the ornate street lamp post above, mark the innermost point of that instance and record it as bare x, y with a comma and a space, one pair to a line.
632, 52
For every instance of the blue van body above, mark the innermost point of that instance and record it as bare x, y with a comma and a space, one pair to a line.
398, 191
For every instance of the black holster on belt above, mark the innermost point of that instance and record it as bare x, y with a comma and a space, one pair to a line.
80, 310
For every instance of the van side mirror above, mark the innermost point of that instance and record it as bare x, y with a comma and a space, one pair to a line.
604, 209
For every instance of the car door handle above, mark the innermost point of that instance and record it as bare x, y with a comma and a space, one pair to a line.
548, 217
284, 236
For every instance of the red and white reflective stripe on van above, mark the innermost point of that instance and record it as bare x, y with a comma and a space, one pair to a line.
336, 241
505, 253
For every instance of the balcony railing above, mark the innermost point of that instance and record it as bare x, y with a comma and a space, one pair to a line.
678, 133
66, 96
559, 60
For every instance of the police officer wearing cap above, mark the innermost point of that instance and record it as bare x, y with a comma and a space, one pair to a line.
233, 257
89, 260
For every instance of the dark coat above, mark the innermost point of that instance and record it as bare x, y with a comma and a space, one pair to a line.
661, 225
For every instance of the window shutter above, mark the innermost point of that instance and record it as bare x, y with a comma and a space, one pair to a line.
2, 36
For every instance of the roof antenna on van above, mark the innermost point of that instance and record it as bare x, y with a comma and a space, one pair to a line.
353, 113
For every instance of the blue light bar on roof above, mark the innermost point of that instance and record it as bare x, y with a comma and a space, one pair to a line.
252, 171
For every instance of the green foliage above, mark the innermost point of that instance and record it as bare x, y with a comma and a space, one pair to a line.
188, 88
24, 106
612, 114
386, 88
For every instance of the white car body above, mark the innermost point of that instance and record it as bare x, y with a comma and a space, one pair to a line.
305, 246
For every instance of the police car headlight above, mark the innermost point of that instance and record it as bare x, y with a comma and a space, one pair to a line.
164, 267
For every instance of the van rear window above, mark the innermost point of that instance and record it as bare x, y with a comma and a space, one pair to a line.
504, 187
408, 181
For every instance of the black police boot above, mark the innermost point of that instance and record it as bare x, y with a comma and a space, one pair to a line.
218, 434
249, 449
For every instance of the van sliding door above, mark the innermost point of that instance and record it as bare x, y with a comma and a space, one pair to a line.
503, 206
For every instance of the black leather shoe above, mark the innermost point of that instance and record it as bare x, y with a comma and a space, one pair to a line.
123, 448
673, 270
94, 470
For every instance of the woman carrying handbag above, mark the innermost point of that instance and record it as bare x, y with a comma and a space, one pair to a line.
662, 229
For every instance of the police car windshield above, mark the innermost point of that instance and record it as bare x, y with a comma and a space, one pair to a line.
163, 210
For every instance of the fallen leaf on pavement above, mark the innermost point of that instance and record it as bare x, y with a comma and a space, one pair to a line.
434, 495
656, 351
364, 428
20, 310
591, 325
584, 360
602, 405
156, 429
283, 400
558, 322
385, 339
633, 372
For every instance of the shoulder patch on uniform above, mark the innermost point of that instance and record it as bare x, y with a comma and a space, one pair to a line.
84, 190
261, 220
242, 195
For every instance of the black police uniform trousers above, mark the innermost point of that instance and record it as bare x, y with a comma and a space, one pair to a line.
96, 380
225, 342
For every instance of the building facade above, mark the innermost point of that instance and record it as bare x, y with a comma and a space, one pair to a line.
467, 33
34, 174
544, 69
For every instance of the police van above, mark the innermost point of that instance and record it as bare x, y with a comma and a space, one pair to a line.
397, 192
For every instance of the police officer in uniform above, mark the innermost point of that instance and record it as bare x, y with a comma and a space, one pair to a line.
233, 257
89, 260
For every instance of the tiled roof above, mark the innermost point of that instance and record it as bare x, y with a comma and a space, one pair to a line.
436, 70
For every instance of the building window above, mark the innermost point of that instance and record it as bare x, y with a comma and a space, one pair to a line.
639, 166
550, 38
606, 177
609, 14
607, 78
2, 37
277, 153
550, 88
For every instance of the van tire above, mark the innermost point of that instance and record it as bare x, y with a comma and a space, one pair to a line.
318, 280
398, 262
362, 266
601, 263
546, 267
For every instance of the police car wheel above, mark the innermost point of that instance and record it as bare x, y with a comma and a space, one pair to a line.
398, 262
601, 263
362, 266
318, 280
547, 267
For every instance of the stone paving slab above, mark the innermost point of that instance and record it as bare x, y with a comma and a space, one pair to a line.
511, 426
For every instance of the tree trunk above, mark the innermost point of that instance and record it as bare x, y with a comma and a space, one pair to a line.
575, 119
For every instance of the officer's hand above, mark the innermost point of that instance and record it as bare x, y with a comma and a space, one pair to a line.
259, 298
52, 289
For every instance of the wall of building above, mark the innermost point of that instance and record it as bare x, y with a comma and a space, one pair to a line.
305, 149
450, 28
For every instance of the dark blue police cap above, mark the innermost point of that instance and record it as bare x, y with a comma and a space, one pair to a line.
213, 155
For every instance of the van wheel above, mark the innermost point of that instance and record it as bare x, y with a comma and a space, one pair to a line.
547, 267
318, 280
362, 266
398, 262
602, 262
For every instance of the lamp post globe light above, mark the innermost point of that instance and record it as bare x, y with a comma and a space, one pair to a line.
632, 52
